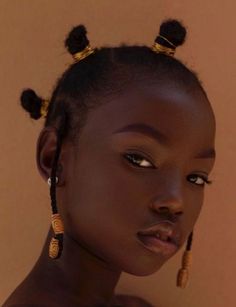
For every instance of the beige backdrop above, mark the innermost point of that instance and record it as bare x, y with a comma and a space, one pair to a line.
32, 55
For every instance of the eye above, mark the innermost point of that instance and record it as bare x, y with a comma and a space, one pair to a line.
138, 160
199, 180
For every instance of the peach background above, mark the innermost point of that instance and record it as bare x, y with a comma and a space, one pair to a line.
32, 55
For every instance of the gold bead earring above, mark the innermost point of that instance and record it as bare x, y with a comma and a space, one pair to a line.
183, 273
56, 244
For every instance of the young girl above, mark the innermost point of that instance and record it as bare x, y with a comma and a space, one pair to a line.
127, 148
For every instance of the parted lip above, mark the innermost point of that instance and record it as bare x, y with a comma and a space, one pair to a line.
166, 230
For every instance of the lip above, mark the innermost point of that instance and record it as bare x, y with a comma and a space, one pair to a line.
159, 245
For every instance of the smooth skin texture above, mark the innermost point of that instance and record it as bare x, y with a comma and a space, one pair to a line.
104, 199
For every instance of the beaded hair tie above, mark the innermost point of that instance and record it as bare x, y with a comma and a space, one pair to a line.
157, 47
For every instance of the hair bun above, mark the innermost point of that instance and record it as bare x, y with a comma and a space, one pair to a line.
77, 40
31, 103
174, 31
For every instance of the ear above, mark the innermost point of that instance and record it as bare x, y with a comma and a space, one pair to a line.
45, 152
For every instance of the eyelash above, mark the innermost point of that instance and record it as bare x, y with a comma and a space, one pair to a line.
205, 179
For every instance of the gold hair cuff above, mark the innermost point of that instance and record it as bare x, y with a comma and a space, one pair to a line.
54, 248
183, 273
163, 49
44, 108
163, 37
83, 54
57, 224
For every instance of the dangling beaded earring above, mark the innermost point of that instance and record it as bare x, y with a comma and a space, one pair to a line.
56, 244
183, 273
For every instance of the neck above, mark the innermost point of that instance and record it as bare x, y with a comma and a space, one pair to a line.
78, 276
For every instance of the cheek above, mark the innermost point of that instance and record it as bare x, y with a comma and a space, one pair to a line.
193, 209
103, 194
99, 210
106, 204
104, 214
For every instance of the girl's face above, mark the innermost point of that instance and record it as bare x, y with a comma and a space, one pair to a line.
107, 198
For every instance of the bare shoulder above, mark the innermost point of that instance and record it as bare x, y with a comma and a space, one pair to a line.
15, 301
122, 300
22, 298
18, 301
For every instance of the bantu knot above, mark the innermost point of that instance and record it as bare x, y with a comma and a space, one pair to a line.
77, 39
31, 102
174, 31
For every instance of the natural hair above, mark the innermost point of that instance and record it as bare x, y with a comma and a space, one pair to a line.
107, 72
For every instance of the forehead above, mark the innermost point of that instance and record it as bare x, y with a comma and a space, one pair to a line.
183, 116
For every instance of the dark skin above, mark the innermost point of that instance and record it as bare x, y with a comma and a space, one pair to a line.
104, 200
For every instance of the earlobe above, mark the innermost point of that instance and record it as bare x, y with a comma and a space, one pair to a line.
45, 152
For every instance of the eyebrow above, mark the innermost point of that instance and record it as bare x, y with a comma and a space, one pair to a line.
147, 130
207, 154
161, 138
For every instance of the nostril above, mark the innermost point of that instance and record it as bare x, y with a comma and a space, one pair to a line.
179, 213
169, 214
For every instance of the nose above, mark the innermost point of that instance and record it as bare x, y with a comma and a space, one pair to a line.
170, 207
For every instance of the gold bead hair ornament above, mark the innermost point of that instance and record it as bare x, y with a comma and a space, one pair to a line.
183, 273
55, 247
163, 49
83, 54
159, 48
44, 108
57, 225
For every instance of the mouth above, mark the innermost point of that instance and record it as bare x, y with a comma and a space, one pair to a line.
161, 238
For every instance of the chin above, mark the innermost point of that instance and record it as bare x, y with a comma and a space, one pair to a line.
144, 268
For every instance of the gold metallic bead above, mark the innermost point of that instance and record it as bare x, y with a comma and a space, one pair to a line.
83, 54
163, 37
44, 108
57, 224
187, 259
163, 49
182, 278
54, 248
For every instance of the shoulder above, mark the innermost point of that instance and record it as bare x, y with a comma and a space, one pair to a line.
122, 300
23, 298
